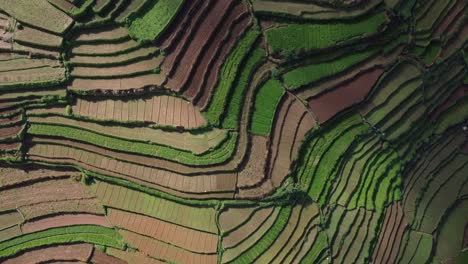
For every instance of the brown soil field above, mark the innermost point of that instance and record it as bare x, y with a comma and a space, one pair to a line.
9, 146
32, 75
118, 84
135, 257
327, 105
253, 171
104, 49
236, 30
10, 232
179, 236
193, 184
455, 41
288, 131
10, 119
231, 217
84, 205
380, 61
214, 52
107, 33
64, 220
176, 52
10, 218
177, 28
53, 190
77, 252
16, 177
37, 37
119, 59
388, 242
99, 257
111, 71
454, 14
458, 94
198, 42
256, 220
165, 251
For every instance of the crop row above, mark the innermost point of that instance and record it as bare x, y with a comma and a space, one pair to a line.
227, 75
216, 156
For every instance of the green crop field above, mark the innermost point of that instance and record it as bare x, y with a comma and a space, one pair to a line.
229, 131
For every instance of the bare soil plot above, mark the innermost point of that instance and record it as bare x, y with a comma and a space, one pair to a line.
26, 76
311, 10
77, 252
164, 231
81, 205
8, 132
292, 122
211, 76
99, 257
8, 219
192, 52
105, 49
101, 61
9, 146
118, 84
191, 21
391, 235
32, 36
103, 34
458, 94
143, 66
255, 220
253, 171
215, 52
64, 220
233, 216
53, 190
135, 257
12, 177
165, 251
327, 105
209, 184
154, 109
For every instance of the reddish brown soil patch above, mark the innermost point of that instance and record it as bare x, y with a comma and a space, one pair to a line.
204, 32
8, 132
53, 190
231, 217
172, 59
248, 228
213, 73
77, 252
459, 93
450, 19
216, 52
253, 171
178, 27
291, 124
90, 206
9, 146
100, 257
165, 251
164, 231
14, 177
122, 84
390, 236
327, 105
64, 220
10, 119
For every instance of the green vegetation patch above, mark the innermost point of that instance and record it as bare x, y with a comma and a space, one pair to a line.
150, 25
216, 156
314, 72
295, 38
62, 235
266, 101
227, 76
235, 104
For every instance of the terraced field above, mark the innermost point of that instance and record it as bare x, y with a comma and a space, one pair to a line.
233, 131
